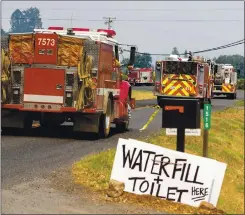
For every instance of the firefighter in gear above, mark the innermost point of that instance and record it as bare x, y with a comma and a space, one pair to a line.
125, 88
125, 93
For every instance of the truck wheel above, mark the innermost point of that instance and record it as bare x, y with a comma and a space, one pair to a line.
122, 127
105, 121
232, 96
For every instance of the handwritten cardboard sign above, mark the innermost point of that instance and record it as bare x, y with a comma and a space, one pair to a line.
148, 169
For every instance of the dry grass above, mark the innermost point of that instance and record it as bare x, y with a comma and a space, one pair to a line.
142, 95
226, 144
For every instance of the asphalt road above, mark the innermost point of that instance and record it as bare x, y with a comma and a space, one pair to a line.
26, 158
147, 88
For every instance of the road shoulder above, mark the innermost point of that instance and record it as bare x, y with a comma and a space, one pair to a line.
58, 194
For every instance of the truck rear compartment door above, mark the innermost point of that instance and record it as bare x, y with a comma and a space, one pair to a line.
44, 85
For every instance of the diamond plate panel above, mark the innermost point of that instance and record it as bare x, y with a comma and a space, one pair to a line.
91, 48
4, 42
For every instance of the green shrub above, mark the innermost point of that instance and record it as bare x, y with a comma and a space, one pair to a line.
240, 84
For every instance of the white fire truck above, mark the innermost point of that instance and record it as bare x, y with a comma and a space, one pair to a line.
225, 80
55, 75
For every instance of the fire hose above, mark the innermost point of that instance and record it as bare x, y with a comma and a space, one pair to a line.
86, 85
5, 75
151, 118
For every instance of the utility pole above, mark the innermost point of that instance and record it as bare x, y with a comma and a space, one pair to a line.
108, 21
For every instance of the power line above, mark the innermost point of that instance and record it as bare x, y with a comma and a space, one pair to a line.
239, 42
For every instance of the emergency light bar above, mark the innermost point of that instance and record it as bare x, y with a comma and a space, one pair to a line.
81, 29
108, 31
55, 28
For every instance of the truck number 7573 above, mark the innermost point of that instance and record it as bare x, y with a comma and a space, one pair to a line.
46, 41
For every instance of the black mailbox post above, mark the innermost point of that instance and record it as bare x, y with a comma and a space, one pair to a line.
181, 114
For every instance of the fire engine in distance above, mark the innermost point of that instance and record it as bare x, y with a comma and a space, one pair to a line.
183, 78
141, 76
225, 80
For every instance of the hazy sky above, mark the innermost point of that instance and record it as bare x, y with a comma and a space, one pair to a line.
133, 25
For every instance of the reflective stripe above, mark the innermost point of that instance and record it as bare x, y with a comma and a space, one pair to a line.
43, 98
227, 88
182, 85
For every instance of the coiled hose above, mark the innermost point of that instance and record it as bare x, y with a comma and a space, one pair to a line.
5, 76
86, 85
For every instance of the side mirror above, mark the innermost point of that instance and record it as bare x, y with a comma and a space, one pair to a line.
116, 52
132, 56
215, 68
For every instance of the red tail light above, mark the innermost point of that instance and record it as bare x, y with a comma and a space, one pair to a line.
157, 83
157, 86
200, 88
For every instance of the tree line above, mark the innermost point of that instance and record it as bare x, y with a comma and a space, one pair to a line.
29, 19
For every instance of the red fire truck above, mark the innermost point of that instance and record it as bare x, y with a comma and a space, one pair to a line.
141, 76
179, 78
58, 75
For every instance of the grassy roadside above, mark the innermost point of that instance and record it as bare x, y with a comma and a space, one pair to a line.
142, 94
240, 84
240, 103
226, 144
